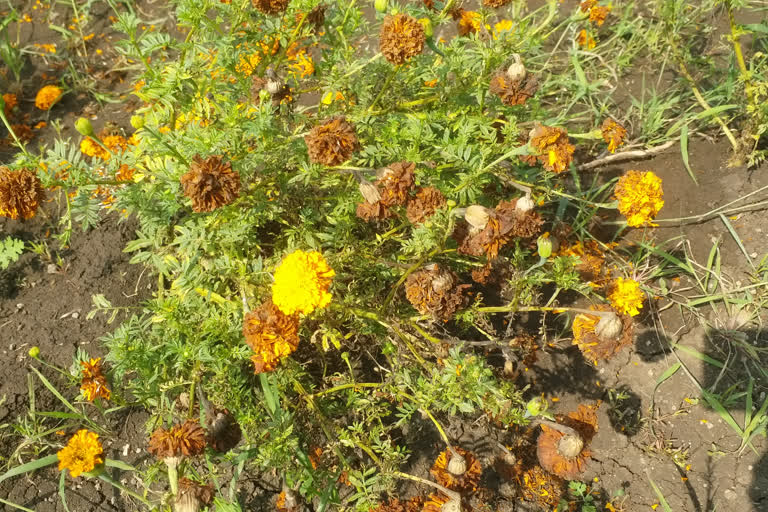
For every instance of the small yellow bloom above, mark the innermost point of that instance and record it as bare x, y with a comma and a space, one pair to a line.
82, 453
89, 147
627, 297
47, 97
301, 283
640, 197
585, 40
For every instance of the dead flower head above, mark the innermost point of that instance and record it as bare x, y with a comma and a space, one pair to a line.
613, 134
513, 90
460, 471
442, 503
503, 224
591, 259
374, 212
271, 6
414, 504
402, 37
427, 201
435, 292
287, 501
553, 150
332, 142
210, 183
564, 452
495, 3
20, 193
223, 431
395, 182
187, 439
271, 334
192, 495
600, 337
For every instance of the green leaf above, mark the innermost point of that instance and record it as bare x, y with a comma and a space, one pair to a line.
10, 250
116, 463
30, 466
684, 152
62, 490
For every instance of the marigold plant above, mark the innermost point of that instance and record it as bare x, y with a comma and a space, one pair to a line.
82, 454
301, 283
640, 197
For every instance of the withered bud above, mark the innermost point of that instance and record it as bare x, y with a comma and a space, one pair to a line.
442, 283
454, 505
525, 203
457, 465
517, 71
186, 502
609, 327
477, 216
368, 190
570, 446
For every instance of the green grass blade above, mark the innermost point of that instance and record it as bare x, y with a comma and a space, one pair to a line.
671, 259
19, 507
115, 463
722, 411
698, 355
684, 152
56, 393
736, 237
667, 374
659, 495
748, 407
29, 466
63, 489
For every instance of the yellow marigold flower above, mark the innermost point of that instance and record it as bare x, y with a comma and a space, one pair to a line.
82, 453
302, 65
502, 26
640, 197
89, 147
613, 133
47, 97
598, 14
301, 283
627, 297
470, 22
585, 40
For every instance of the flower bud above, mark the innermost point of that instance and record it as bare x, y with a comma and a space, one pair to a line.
274, 86
457, 465
544, 245
536, 406
477, 216
137, 122
429, 31
609, 327
84, 127
517, 72
380, 5
525, 203
34, 352
570, 446
450, 203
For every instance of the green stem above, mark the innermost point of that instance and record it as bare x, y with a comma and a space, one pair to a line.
391, 77
739, 54
10, 130
342, 387
402, 279
124, 489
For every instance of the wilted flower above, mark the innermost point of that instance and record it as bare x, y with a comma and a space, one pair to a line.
223, 431
585, 40
192, 495
436, 292
301, 283
93, 384
402, 37
20, 193
470, 22
626, 296
427, 201
600, 337
586, 5
271, 334
271, 6
554, 151
395, 182
513, 91
591, 258
9, 102
287, 501
640, 197
187, 439
613, 134
460, 471
414, 504
503, 224
210, 183
495, 3
442, 503
373, 212
82, 453
47, 97
565, 454
332, 142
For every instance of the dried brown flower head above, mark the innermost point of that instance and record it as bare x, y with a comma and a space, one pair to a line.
271, 334
511, 91
223, 431
20, 193
402, 37
187, 439
210, 183
315, 17
566, 454
427, 201
613, 134
332, 142
586, 5
436, 292
591, 259
271, 6
601, 337
495, 3
538, 486
282, 94
395, 182
374, 212
555, 153
193, 494
93, 383
462, 474
414, 504
442, 503
504, 223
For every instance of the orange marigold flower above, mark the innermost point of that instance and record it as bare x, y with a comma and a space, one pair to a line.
627, 297
402, 37
459, 473
93, 383
585, 40
587, 5
436, 292
210, 183
301, 283
91, 148
271, 334
640, 197
441, 503
287, 501
414, 504
565, 453
332, 142
613, 134
187, 439
47, 97
427, 201
600, 337
598, 14
470, 22
551, 144
20, 193
271, 6
538, 486
495, 3
82, 453
10, 100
